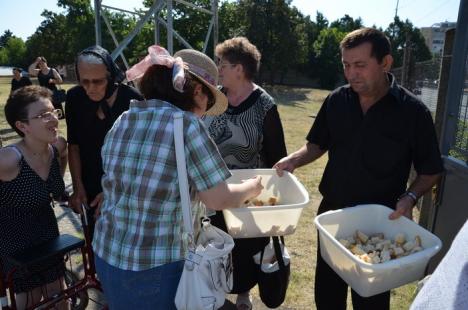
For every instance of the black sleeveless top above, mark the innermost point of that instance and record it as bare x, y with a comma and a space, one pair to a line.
27, 219
44, 79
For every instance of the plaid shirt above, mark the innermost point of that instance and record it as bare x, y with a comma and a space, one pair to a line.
140, 226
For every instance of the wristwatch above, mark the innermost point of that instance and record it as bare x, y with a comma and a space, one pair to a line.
410, 194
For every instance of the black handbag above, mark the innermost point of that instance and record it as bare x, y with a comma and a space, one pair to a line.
59, 96
273, 278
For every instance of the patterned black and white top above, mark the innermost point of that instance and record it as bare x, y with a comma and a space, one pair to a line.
27, 220
250, 135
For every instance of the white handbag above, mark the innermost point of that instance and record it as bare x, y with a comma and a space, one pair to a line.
207, 274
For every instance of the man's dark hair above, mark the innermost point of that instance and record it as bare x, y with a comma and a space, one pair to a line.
379, 41
16, 107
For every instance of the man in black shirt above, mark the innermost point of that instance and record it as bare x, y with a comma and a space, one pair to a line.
18, 81
373, 130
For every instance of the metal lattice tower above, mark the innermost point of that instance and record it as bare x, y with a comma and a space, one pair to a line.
153, 14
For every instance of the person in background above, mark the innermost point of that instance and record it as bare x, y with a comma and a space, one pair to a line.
92, 107
249, 135
62, 70
373, 130
19, 81
30, 177
138, 239
47, 77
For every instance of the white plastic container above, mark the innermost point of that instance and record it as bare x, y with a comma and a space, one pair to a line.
371, 279
278, 220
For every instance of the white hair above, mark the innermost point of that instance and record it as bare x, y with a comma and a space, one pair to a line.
90, 59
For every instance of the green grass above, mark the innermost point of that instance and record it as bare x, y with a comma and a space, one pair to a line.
297, 108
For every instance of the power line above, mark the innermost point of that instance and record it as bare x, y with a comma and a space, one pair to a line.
433, 10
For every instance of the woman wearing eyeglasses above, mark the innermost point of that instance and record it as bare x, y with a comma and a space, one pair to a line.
138, 244
30, 178
249, 135
92, 107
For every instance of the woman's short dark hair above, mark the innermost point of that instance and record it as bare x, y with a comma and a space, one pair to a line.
16, 107
380, 43
156, 83
239, 50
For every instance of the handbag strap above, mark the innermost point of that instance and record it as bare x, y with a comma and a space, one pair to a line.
182, 173
278, 253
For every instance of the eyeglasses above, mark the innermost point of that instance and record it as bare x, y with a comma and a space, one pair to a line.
47, 116
96, 82
222, 66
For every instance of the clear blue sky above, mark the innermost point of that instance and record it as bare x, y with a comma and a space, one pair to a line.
22, 17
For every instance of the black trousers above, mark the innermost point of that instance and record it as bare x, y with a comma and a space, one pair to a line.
331, 291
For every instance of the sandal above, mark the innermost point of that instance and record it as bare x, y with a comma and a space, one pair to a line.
244, 301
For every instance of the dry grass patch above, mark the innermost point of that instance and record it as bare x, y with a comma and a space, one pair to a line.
298, 108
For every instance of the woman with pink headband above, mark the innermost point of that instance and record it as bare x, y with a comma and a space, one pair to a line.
138, 236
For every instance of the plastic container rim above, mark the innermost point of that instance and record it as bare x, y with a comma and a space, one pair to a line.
399, 262
278, 207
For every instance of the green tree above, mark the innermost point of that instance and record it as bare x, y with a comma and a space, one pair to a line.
402, 33
62, 35
321, 21
311, 32
16, 51
278, 41
5, 37
231, 21
188, 22
3, 57
347, 24
50, 40
328, 55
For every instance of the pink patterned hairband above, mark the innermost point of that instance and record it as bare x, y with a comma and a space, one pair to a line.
158, 55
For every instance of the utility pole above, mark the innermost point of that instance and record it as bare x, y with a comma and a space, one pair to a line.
394, 18
396, 9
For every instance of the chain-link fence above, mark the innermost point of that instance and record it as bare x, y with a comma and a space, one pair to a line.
460, 146
424, 79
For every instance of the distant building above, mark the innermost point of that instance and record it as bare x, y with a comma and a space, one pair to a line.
435, 36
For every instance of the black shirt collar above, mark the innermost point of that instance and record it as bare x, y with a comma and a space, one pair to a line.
394, 89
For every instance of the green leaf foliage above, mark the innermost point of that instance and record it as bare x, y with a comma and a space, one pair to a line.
327, 51
288, 40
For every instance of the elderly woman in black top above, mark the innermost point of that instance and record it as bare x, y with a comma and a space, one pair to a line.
249, 135
92, 107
